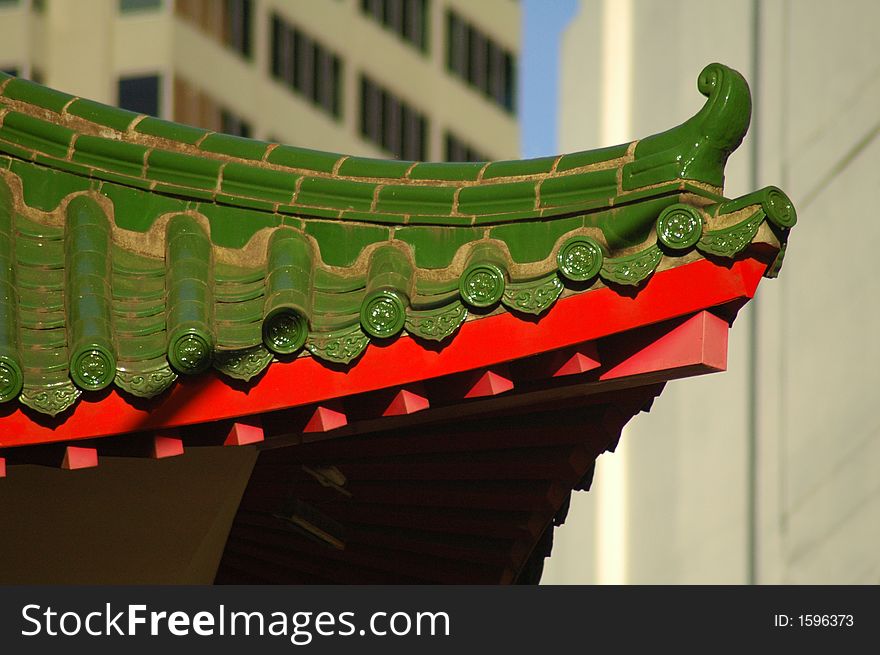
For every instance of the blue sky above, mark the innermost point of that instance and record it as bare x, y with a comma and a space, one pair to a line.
543, 21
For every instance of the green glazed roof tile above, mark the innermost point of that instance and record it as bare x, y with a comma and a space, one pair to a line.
45, 188
596, 185
225, 222
339, 194
127, 158
186, 170
452, 171
435, 247
495, 198
372, 217
37, 134
416, 199
518, 167
234, 146
136, 210
239, 179
118, 119
166, 249
590, 157
313, 160
373, 168
36, 94
172, 131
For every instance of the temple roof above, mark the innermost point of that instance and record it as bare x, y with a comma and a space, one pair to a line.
135, 250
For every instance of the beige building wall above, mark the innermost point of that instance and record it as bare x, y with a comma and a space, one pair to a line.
767, 473
84, 46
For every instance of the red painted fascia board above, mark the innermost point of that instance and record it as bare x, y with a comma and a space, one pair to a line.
481, 343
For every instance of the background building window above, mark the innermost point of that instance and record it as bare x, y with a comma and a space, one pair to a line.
126, 6
228, 21
306, 66
140, 94
479, 60
458, 150
235, 125
406, 18
391, 123
237, 25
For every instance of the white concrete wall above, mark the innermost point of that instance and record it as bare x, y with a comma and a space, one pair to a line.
686, 465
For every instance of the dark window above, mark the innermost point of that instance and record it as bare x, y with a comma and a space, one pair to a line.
11, 71
235, 125
480, 61
406, 18
139, 5
140, 94
458, 150
391, 123
306, 66
237, 25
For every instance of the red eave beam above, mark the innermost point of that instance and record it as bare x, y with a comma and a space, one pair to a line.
481, 345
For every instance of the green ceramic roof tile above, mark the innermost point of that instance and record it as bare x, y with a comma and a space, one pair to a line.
373, 217
332, 282
439, 219
434, 247
345, 305
235, 146
225, 221
185, 170
63, 165
36, 94
518, 167
191, 193
339, 194
590, 157
505, 217
313, 160
222, 251
36, 134
340, 244
310, 212
239, 179
409, 199
495, 198
243, 311
452, 171
127, 158
172, 131
531, 242
135, 210
373, 168
118, 119
596, 185
241, 201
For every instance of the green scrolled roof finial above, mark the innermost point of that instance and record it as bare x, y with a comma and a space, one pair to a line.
580, 258
698, 148
189, 352
285, 331
383, 314
679, 227
11, 379
136, 245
